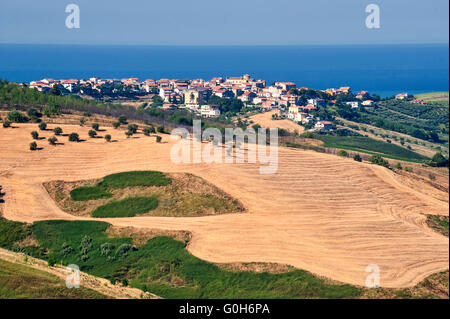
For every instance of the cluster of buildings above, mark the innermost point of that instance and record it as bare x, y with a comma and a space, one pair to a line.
194, 94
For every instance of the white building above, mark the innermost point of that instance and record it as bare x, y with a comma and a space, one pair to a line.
353, 104
209, 111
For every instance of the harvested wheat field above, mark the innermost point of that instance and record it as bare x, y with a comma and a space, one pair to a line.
329, 215
265, 120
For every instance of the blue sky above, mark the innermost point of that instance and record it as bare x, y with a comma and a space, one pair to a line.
224, 22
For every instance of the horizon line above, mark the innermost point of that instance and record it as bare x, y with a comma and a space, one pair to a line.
230, 45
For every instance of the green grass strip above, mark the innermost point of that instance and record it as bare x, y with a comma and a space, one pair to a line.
127, 207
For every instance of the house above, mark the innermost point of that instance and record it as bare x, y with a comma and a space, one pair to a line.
308, 108
401, 96
268, 105
224, 93
316, 102
300, 117
367, 103
240, 80
361, 95
323, 125
344, 90
247, 97
286, 85
293, 109
166, 94
353, 104
197, 96
418, 101
209, 111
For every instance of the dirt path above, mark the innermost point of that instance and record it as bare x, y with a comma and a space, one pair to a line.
100, 285
322, 213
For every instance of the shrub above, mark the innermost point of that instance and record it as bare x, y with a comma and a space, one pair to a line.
32, 112
357, 158
148, 130
92, 133
106, 249
17, 117
342, 153
116, 125
124, 249
86, 245
128, 133
158, 139
49, 111
439, 160
432, 177
42, 126
34, 135
399, 166
161, 129
132, 128
378, 160
33, 146
82, 121
52, 140
96, 126
74, 137
122, 119
57, 130
108, 138
408, 169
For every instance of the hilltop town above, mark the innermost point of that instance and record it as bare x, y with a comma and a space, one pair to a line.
296, 104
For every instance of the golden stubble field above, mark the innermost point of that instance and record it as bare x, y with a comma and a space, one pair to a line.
328, 215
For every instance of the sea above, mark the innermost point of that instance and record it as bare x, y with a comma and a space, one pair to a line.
381, 69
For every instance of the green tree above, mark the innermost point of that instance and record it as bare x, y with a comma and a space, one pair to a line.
57, 130
357, 158
378, 160
342, 153
108, 138
439, 160
6, 123
92, 133
42, 126
55, 90
116, 125
52, 140
122, 119
96, 126
34, 135
17, 117
33, 146
133, 128
74, 137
